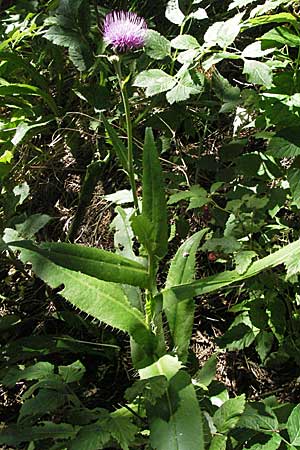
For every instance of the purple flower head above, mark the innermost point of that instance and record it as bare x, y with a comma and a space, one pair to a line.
124, 31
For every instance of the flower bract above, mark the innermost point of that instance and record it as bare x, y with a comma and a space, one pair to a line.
124, 31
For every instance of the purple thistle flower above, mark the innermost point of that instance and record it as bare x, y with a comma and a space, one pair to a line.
124, 31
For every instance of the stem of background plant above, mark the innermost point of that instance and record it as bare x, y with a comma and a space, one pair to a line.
130, 168
176, 51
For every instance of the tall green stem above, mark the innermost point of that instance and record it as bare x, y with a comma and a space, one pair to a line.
125, 100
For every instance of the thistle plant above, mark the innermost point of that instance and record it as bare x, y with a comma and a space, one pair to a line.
124, 32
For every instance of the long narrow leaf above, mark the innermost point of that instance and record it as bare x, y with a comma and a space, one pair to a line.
118, 145
180, 315
154, 201
221, 280
100, 299
94, 262
26, 89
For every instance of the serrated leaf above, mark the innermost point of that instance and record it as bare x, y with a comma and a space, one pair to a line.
285, 143
155, 81
258, 417
151, 389
228, 415
14, 435
196, 195
38, 371
258, 72
174, 13
180, 316
32, 225
184, 88
281, 35
293, 176
218, 281
243, 259
293, 426
292, 266
46, 401
264, 342
154, 200
207, 373
73, 372
269, 443
223, 33
157, 46
185, 42
94, 262
218, 442
240, 3
100, 299
254, 50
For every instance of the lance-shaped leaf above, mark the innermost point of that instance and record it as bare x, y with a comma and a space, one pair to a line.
154, 200
100, 299
221, 280
180, 315
94, 262
175, 419
118, 145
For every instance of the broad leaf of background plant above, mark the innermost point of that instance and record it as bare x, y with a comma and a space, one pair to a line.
102, 300
174, 13
180, 315
285, 143
118, 145
258, 72
293, 176
154, 200
157, 46
228, 415
176, 419
293, 426
155, 81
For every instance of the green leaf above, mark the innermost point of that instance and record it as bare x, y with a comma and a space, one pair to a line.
258, 72
94, 262
199, 14
100, 299
174, 13
196, 195
258, 417
281, 35
26, 89
207, 373
293, 176
264, 343
90, 437
180, 316
157, 46
184, 88
154, 201
150, 388
223, 33
218, 281
293, 426
218, 443
15, 435
243, 260
32, 225
39, 371
176, 419
271, 18
185, 42
285, 143
118, 145
155, 81
228, 415
269, 443
73, 372
240, 3
228, 94
46, 401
